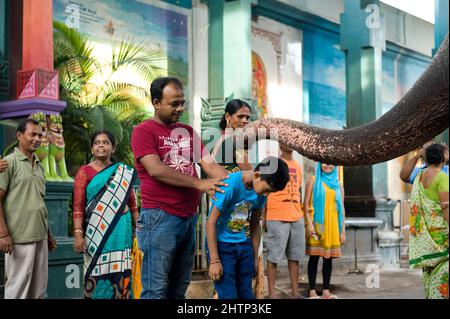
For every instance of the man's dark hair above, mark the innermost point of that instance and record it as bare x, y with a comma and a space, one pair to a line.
158, 85
22, 127
434, 154
278, 179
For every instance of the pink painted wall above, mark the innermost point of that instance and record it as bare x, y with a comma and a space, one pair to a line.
37, 45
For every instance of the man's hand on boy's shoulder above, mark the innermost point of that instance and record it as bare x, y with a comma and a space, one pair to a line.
211, 186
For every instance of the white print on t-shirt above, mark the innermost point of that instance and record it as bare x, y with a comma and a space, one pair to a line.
179, 163
168, 142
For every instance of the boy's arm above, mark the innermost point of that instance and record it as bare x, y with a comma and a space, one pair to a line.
164, 174
255, 230
264, 218
211, 168
215, 268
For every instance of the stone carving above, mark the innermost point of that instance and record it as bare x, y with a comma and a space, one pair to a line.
52, 150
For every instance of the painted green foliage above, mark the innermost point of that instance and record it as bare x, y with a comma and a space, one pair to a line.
114, 105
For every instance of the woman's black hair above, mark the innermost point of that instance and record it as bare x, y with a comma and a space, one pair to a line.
110, 135
434, 154
232, 107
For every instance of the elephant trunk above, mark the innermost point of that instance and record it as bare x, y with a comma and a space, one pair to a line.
417, 118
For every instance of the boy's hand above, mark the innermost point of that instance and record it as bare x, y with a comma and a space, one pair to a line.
264, 224
216, 271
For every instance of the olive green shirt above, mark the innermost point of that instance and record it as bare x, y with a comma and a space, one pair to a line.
26, 215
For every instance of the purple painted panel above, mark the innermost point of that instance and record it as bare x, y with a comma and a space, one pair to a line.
25, 107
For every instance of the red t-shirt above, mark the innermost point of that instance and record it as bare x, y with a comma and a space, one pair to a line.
175, 145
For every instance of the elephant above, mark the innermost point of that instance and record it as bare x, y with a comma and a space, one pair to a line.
418, 117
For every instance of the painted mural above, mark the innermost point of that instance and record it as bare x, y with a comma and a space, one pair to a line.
259, 84
323, 80
400, 72
155, 24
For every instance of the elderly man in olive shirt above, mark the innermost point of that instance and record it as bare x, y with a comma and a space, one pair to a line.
24, 235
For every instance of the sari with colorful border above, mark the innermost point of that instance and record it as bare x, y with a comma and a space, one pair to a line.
428, 242
108, 234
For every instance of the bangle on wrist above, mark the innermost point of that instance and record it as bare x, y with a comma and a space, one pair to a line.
4, 236
78, 230
215, 261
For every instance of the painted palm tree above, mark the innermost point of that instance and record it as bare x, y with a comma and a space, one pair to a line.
96, 97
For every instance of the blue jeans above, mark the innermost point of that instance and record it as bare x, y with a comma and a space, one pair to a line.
168, 244
238, 269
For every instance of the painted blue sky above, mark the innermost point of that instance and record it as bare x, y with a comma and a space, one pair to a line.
324, 79
397, 82
132, 19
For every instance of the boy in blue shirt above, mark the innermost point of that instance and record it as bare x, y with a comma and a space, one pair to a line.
233, 231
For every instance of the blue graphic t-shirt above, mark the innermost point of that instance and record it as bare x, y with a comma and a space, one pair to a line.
235, 206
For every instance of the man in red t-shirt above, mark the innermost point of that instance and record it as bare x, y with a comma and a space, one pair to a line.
165, 152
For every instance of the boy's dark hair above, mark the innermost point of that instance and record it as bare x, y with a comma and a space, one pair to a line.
278, 179
158, 85
434, 154
22, 127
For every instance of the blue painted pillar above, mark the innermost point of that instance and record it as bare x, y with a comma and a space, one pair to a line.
230, 51
363, 41
229, 59
440, 31
441, 22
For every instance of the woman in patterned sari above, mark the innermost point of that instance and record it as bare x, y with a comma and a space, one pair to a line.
104, 218
428, 242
